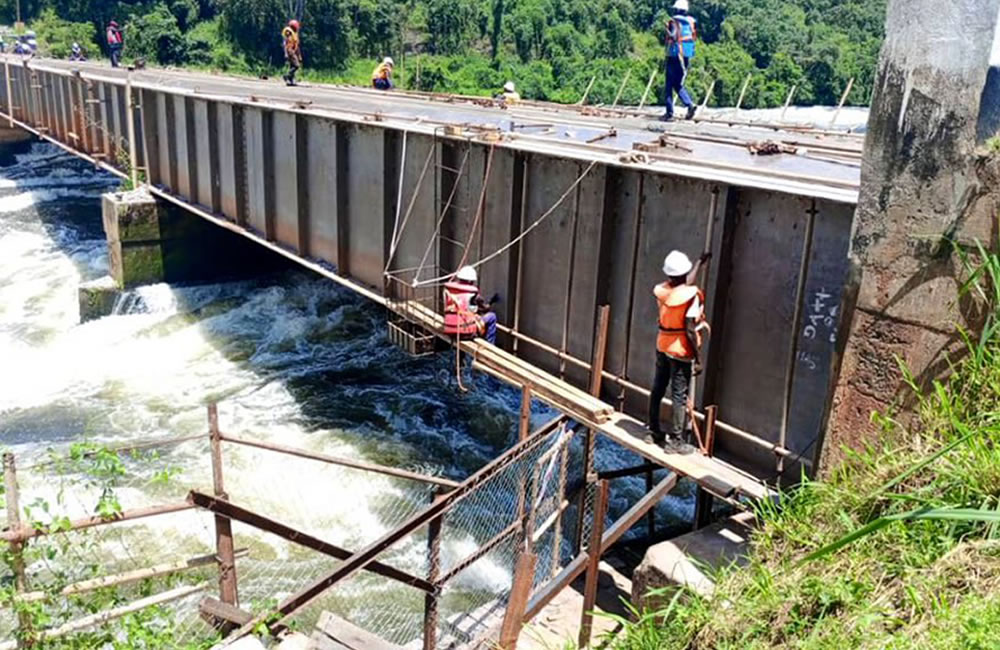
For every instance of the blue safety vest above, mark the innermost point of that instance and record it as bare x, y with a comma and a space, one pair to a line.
687, 36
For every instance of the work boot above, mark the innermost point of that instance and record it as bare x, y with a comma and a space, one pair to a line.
692, 109
676, 445
654, 438
667, 118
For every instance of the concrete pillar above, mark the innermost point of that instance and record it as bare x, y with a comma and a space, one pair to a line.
923, 184
135, 243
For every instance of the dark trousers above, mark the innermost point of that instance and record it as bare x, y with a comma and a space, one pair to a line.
293, 68
675, 83
382, 84
677, 375
116, 56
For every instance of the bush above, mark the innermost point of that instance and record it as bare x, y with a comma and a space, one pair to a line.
156, 37
56, 36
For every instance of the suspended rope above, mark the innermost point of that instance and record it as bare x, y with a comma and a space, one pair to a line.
480, 209
523, 234
398, 237
399, 204
437, 228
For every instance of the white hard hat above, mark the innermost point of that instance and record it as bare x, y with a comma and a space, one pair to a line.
682, 5
509, 86
388, 61
677, 264
467, 274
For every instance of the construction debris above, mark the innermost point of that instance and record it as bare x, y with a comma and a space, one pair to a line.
770, 148
610, 133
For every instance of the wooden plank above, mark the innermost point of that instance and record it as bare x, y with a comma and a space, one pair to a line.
232, 511
335, 633
600, 350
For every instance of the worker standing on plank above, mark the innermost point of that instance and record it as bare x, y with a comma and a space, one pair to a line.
466, 313
682, 31
293, 50
116, 42
382, 75
678, 346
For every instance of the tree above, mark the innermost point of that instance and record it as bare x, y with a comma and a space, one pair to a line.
155, 36
451, 24
56, 36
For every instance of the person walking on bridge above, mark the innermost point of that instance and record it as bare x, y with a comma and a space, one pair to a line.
682, 31
293, 50
466, 313
382, 75
116, 42
678, 347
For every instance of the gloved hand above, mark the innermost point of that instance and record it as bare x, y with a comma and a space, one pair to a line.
494, 299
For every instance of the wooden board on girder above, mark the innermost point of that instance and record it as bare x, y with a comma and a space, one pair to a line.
334, 633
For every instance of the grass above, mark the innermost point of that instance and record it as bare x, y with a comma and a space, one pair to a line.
899, 547
993, 144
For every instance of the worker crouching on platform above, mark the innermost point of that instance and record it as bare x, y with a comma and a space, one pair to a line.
678, 346
382, 75
466, 313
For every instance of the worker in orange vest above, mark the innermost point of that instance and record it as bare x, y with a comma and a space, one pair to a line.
293, 50
466, 313
678, 347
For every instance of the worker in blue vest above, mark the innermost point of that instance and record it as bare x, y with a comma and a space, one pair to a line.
681, 34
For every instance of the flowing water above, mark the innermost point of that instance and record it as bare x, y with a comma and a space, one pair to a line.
290, 357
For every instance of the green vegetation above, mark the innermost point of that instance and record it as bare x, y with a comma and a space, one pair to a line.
899, 548
993, 144
551, 48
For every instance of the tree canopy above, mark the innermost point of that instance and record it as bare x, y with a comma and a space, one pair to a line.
551, 48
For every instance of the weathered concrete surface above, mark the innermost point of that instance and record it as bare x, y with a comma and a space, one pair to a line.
132, 227
97, 298
922, 185
683, 562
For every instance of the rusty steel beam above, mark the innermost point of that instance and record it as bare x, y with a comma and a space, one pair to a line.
233, 512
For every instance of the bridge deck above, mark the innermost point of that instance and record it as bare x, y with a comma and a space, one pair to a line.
826, 164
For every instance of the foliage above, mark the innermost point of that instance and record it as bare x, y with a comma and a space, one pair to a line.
551, 48
56, 36
898, 548
993, 144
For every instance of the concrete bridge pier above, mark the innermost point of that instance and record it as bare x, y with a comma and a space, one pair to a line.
926, 186
151, 241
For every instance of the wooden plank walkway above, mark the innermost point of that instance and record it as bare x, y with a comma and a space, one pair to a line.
714, 475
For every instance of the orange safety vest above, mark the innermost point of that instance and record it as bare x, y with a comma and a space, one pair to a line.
674, 303
460, 317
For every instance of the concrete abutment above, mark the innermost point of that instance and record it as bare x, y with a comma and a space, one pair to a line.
925, 188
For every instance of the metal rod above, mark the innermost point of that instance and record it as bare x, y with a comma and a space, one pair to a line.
788, 102
10, 96
228, 592
485, 549
586, 93
129, 449
344, 462
649, 85
232, 511
708, 96
24, 533
133, 158
610, 537
433, 575
743, 92
594, 552
25, 624
793, 343
621, 88
843, 100
520, 250
520, 591
524, 429
628, 471
651, 515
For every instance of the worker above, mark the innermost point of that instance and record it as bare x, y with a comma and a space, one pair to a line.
76, 53
116, 42
682, 31
293, 50
678, 346
382, 75
466, 313
509, 95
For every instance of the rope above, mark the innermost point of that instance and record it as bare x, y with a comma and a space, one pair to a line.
409, 210
520, 237
399, 204
480, 208
437, 228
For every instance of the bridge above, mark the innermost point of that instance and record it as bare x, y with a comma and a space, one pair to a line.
567, 209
